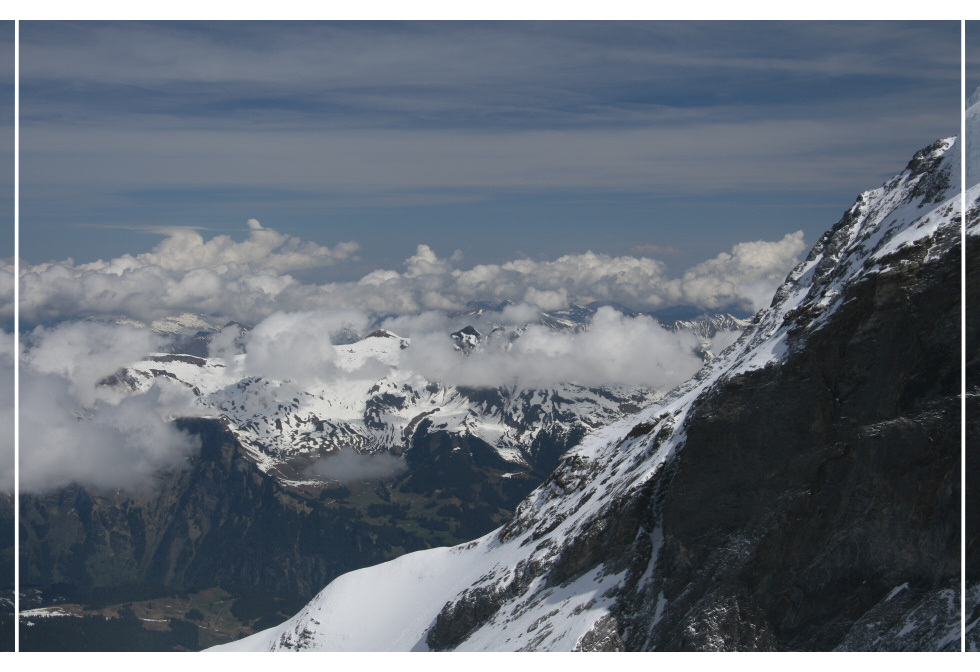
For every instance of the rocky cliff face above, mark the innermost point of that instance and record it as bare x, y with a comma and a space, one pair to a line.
6, 572
801, 493
790, 532
218, 521
972, 447
223, 521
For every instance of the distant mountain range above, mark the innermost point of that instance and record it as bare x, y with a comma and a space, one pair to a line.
528, 428
261, 506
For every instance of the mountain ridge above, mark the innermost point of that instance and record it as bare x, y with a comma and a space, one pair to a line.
755, 506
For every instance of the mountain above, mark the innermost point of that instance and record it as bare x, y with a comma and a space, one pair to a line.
7, 571
459, 460
800, 493
286, 427
972, 337
972, 444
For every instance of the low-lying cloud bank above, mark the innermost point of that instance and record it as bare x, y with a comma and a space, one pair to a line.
6, 412
347, 466
74, 429
250, 281
615, 350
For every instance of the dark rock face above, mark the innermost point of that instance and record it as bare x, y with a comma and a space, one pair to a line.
973, 434
474, 608
220, 521
811, 504
800, 492
6, 572
806, 493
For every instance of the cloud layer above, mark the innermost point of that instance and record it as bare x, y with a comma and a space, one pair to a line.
296, 346
615, 350
347, 466
76, 430
6, 412
249, 281
82, 423
265, 250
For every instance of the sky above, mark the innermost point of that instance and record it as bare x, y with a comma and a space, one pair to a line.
6, 139
972, 56
674, 141
6, 251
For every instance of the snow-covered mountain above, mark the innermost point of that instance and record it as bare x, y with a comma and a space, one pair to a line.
799, 493
286, 426
714, 332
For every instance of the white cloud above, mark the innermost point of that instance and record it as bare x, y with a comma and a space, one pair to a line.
425, 262
614, 350
722, 340
106, 447
748, 275
519, 313
227, 343
547, 300
6, 289
247, 282
347, 465
6, 412
84, 353
296, 346
185, 250
76, 430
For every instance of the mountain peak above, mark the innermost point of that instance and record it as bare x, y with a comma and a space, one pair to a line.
381, 333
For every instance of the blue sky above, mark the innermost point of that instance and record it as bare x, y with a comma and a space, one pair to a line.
6, 139
497, 139
972, 56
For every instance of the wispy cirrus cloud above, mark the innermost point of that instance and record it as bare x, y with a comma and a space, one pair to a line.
389, 127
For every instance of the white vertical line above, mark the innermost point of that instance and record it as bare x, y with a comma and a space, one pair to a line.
962, 142
17, 335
